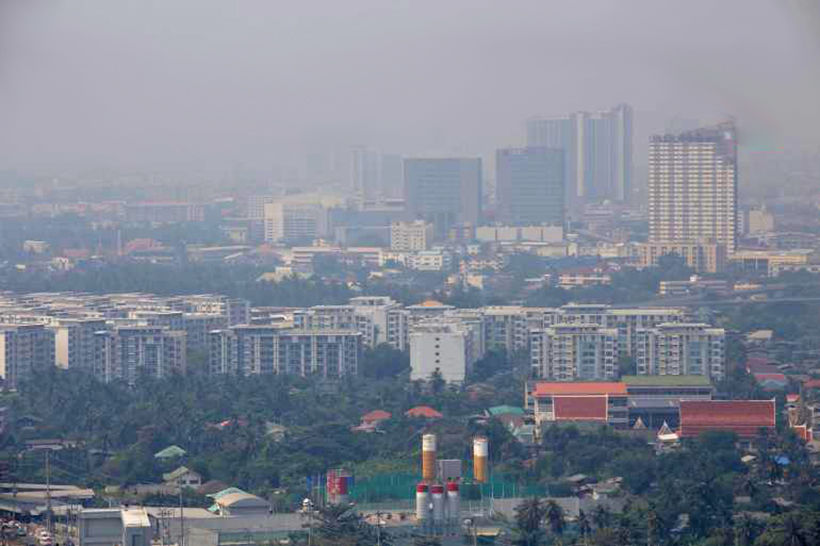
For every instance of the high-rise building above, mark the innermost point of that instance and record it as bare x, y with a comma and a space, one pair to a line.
530, 186
364, 173
252, 350
24, 348
597, 152
693, 187
682, 349
447, 346
74, 342
294, 221
391, 176
126, 353
568, 352
445, 192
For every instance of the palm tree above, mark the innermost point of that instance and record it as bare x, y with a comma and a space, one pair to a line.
555, 517
745, 531
584, 527
601, 517
529, 517
792, 531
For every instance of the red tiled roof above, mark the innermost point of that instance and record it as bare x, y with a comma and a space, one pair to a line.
580, 408
743, 417
423, 411
811, 384
545, 388
803, 432
376, 415
757, 364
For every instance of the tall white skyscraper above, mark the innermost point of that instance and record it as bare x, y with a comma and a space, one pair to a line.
597, 148
693, 187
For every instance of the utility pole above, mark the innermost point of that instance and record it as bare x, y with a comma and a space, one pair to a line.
181, 516
48, 492
378, 529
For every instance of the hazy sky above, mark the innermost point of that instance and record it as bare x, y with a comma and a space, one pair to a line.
214, 82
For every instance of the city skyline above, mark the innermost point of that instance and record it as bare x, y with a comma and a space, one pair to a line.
153, 98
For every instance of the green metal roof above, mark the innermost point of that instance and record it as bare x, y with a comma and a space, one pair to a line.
228, 491
505, 410
666, 381
169, 452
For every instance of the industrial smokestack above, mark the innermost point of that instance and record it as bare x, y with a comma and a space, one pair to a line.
438, 502
422, 503
480, 454
453, 502
428, 457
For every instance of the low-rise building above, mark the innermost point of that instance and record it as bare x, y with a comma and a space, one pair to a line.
772, 262
746, 418
700, 256
578, 401
107, 526
410, 236
183, 477
430, 260
655, 399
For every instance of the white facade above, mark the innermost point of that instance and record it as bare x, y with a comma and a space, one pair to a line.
627, 321
571, 352
125, 353
74, 342
541, 234
682, 349
294, 221
693, 187
252, 350
430, 260
386, 319
442, 346
410, 236
109, 526
24, 348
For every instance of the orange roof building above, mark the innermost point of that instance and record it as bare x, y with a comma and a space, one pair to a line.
743, 417
423, 412
579, 388
375, 416
580, 401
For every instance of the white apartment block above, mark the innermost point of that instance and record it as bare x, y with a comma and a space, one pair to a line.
378, 318
682, 349
410, 236
627, 321
254, 350
294, 221
24, 348
508, 327
430, 260
74, 342
693, 187
572, 352
127, 353
387, 320
446, 346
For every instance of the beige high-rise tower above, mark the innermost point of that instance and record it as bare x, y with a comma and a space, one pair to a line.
693, 187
